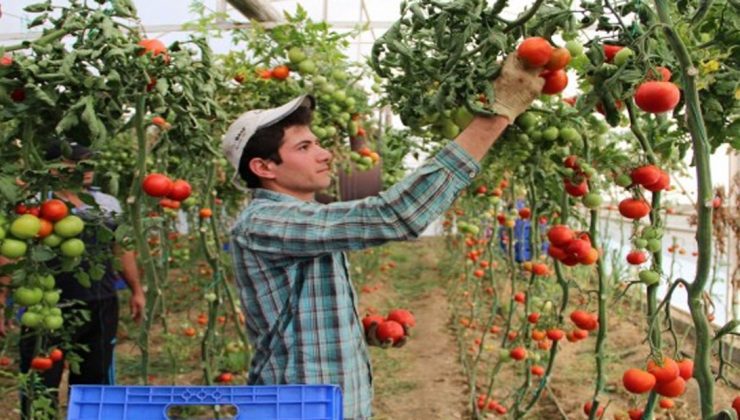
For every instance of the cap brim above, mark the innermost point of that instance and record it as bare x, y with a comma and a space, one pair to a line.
274, 115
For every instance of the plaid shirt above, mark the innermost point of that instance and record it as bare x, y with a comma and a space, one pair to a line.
293, 275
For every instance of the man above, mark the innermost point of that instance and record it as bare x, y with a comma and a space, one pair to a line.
289, 250
100, 299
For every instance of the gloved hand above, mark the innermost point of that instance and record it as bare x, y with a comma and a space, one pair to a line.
372, 339
516, 87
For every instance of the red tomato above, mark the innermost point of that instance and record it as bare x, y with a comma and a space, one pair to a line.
54, 210
578, 248
518, 353
180, 190
159, 121
225, 377
533, 317
535, 51
157, 185
520, 297
390, 331
666, 403
610, 51
41, 363
657, 97
663, 183
560, 235
556, 252
637, 381
281, 72
555, 81
633, 208
540, 269
369, 319
587, 409
153, 46
21, 208
555, 334
686, 369
525, 213
665, 373
571, 162
665, 74
576, 190
403, 317
645, 175
636, 257
537, 370
584, 320
56, 355
559, 59
205, 213
46, 229
672, 389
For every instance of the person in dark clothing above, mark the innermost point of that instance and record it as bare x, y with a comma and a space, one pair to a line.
98, 297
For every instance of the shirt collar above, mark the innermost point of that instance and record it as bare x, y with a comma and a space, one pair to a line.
273, 195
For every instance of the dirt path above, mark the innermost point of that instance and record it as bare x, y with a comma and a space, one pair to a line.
429, 366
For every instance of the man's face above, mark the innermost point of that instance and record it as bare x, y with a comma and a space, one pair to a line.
306, 167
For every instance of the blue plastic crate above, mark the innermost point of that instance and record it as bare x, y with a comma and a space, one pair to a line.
295, 402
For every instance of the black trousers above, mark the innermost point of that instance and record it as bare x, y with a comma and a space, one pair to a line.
98, 334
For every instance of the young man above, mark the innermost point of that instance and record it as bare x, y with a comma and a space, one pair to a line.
301, 308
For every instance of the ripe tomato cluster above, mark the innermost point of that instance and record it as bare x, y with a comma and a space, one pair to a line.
172, 193
537, 52
393, 327
570, 248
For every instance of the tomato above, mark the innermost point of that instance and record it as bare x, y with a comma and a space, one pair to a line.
671, 389
41, 363
518, 353
633, 208
46, 282
555, 334
574, 47
225, 378
69, 226
264, 74
580, 334
636, 257
664, 373
180, 190
46, 229
403, 317
537, 370
369, 319
239, 78
535, 51
281, 72
649, 277
578, 248
525, 213
621, 57
666, 403
52, 240
571, 100
590, 257
559, 59
296, 55
587, 409
156, 185
533, 317
169, 204
635, 413
72, 248
6, 61
205, 213
610, 51
656, 97
686, 369
663, 183
556, 252
645, 175
189, 332
13, 248
520, 297
159, 121
555, 81
540, 269
307, 66
21, 208
51, 298
584, 320
736, 405
56, 355
27, 296
25, 227
151, 84
592, 200
31, 319
5, 361
18, 95
665, 74
155, 47
560, 235
389, 331
637, 381
54, 210
576, 190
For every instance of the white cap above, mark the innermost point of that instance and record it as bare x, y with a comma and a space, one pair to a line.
241, 130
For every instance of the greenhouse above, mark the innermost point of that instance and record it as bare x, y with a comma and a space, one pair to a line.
354, 209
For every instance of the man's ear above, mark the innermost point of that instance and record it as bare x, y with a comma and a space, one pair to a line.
262, 168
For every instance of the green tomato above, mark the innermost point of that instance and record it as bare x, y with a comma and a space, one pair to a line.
551, 133
320, 132
53, 240
462, 117
574, 47
13, 248
307, 67
339, 74
350, 102
526, 120
339, 96
367, 161
296, 55
31, 319
210, 297
640, 243
69, 226
53, 322
25, 227
72, 248
622, 56
27, 296
51, 298
570, 135
46, 282
449, 129
354, 156
592, 200
649, 277
331, 131
653, 245
623, 180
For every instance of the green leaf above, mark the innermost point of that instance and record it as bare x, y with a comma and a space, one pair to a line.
8, 189
731, 326
42, 253
83, 278
97, 271
38, 7
69, 120
97, 129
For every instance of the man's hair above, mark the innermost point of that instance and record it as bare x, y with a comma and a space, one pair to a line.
265, 143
